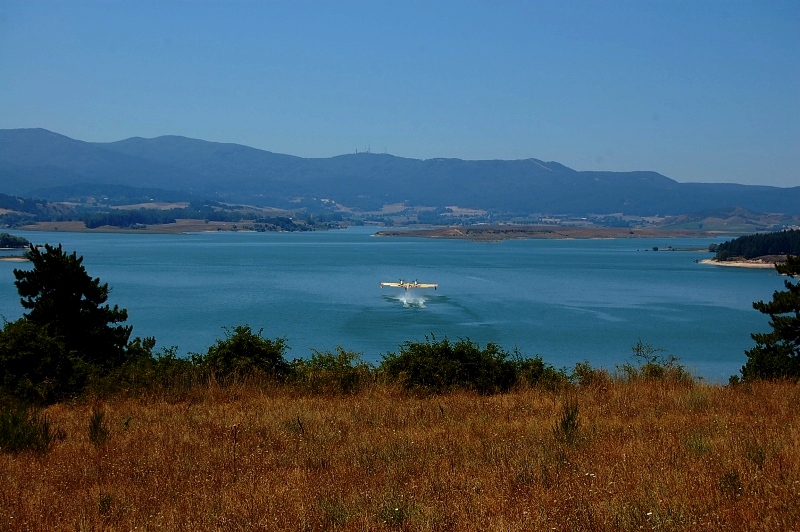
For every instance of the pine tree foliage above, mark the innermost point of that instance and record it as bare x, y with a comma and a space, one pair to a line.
777, 353
61, 297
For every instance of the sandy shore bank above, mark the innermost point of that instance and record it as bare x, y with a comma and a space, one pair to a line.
739, 263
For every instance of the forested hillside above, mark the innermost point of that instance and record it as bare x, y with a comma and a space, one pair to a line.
759, 245
34, 162
16, 211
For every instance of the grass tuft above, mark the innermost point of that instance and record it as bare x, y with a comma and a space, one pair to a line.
98, 428
698, 443
567, 429
396, 512
730, 484
25, 428
105, 503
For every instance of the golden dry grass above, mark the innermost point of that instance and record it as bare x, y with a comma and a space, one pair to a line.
647, 455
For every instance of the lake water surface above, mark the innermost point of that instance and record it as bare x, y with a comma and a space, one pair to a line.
566, 300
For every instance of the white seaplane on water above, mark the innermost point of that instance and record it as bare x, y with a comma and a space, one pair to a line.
409, 285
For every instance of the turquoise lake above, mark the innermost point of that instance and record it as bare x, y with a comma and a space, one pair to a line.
566, 300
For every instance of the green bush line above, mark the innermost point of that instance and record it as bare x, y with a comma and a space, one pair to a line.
71, 342
432, 366
429, 367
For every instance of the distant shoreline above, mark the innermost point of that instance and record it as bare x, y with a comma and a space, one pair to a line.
494, 233
487, 233
177, 228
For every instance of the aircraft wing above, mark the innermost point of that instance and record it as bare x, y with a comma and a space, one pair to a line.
409, 285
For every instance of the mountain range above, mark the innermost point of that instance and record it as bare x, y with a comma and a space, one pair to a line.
43, 164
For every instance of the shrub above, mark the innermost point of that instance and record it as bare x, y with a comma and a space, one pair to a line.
535, 372
585, 375
244, 353
650, 363
339, 372
145, 370
34, 366
171, 371
438, 366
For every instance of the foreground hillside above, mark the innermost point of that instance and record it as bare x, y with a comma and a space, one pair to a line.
442, 435
604, 455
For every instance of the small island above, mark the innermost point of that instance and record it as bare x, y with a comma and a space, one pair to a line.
494, 233
8, 241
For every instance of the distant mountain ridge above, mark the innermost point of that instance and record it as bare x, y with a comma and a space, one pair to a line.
40, 163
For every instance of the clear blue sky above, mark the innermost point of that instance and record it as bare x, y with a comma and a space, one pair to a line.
697, 90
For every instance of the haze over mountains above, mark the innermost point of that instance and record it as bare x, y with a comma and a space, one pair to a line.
42, 164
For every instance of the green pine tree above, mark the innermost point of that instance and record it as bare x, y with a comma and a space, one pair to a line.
777, 353
63, 299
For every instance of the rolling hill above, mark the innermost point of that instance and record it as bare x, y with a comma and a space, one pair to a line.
42, 164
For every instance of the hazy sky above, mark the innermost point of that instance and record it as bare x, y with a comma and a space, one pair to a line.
696, 90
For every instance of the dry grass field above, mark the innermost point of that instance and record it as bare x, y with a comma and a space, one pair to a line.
647, 454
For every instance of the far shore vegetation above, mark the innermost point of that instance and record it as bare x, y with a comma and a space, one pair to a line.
114, 208
8, 241
89, 213
775, 246
100, 430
